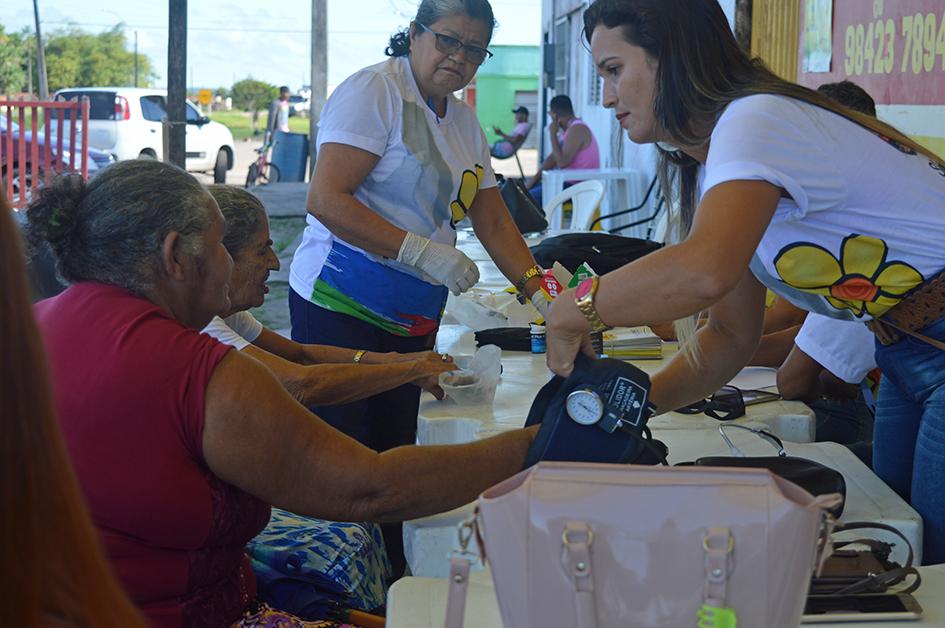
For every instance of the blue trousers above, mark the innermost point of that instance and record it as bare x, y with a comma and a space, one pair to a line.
909, 432
381, 422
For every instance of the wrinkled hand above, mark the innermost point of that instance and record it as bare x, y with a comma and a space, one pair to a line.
428, 375
432, 356
566, 334
445, 264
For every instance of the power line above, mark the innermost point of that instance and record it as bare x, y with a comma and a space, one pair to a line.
219, 29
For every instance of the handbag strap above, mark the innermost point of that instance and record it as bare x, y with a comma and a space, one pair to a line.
460, 561
879, 582
576, 540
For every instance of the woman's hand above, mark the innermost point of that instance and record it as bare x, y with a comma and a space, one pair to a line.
430, 356
567, 333
428, 374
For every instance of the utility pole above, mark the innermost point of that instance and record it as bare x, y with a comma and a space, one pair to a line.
175, 125
136, 58
40, 56
319, 71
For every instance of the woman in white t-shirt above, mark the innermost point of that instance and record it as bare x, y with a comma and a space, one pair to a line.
778, 186
400, 162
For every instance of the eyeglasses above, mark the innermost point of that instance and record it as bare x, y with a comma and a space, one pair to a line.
725, 404
448, 45
729, 402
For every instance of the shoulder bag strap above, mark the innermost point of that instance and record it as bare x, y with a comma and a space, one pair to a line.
458, 586
576, 540
888, 578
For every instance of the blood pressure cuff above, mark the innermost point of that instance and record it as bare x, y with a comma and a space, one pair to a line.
619, 436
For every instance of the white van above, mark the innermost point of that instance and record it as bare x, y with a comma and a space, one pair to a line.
127, 122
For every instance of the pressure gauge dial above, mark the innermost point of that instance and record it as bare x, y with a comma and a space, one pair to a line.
585, 407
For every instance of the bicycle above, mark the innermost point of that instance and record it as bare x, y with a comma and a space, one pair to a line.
262, 170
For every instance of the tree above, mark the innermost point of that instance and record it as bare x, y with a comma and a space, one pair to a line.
12, 62
252, 95
75, 58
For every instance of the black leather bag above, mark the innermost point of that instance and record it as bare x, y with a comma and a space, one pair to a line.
603, 251
810, 475
527, 216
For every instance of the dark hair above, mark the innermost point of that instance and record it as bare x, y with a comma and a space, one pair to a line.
851, 95
53, 566
561, 104
111, 230
244, 215
284, 89
430, 11
701, 69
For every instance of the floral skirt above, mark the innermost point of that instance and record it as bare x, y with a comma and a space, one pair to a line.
262, 616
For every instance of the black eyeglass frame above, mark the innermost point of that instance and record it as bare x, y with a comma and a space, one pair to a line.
442, 41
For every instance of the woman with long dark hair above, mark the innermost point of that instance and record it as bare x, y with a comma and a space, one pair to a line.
53, 571
773, 185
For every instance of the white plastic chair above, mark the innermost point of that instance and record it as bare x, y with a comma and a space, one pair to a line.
585, 200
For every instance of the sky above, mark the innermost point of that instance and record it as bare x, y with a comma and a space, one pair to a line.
230, 40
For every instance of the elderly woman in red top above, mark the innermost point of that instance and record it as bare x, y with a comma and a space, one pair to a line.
180, 444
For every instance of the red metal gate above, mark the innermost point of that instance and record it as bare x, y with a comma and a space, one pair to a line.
30, 158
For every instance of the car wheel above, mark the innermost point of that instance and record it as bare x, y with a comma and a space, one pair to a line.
30, 173
147, 154
219, 170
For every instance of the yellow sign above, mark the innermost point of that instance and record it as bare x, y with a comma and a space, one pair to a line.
205, 97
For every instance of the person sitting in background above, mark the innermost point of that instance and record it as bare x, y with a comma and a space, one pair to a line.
511, 142
313, 374
181, 445
573, 146
53, 572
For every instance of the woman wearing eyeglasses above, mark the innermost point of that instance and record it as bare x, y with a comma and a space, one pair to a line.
400, 162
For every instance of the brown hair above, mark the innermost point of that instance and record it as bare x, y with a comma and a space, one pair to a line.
53, 568
701, 70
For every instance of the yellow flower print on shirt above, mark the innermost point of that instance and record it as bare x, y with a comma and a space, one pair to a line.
861, 280
468, 188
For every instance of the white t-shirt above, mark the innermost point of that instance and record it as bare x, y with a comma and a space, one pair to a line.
866, 219
844, 348
429, 173
237, 330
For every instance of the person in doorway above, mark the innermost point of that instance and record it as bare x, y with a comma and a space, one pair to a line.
777, 185
278, 119
401, 161
573, 146
511, 142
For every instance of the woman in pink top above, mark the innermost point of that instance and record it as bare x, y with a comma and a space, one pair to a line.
181, 445
573, 146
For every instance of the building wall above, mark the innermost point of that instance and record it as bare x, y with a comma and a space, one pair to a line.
895, 50
513, 69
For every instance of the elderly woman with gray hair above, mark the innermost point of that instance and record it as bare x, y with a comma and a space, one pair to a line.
313, 374
180, 444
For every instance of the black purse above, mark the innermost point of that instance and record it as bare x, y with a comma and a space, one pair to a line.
810, 475
528, 217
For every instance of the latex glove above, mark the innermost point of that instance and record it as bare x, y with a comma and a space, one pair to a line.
541, 303
445, 264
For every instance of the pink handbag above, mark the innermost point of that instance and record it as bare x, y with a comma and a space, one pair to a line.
597, 545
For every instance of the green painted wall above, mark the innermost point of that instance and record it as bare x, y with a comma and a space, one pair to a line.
512, 69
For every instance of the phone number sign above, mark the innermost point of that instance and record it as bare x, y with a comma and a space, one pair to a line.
894, 49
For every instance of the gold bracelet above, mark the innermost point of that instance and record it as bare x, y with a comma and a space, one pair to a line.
360, 354
534, 271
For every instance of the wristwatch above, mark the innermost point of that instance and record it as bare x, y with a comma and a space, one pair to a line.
534, 271
584, 300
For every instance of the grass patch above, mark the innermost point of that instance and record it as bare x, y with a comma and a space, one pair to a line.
240, 123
